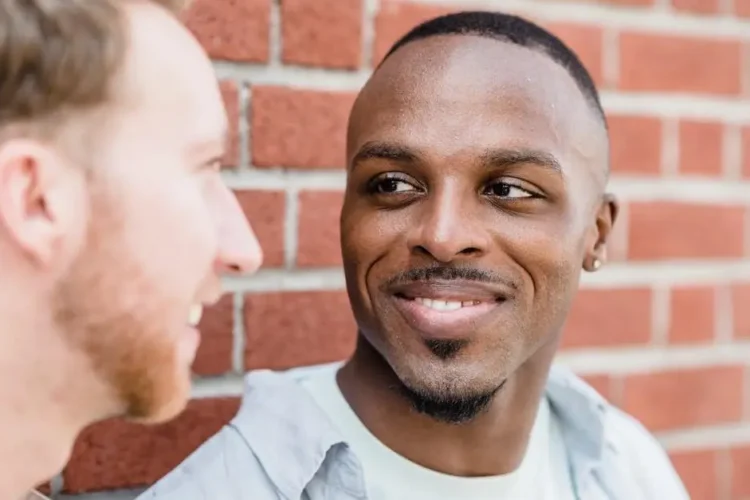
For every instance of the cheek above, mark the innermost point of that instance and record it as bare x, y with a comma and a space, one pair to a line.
549, 254
367, 234
171, 233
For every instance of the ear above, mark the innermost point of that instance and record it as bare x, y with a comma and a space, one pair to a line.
596, 250
38, 199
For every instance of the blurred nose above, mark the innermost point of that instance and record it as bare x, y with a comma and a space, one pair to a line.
239, 251
448, 227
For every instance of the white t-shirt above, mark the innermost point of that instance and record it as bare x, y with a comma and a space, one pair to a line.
542, 475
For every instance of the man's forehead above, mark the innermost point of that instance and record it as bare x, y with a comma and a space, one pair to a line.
168, 81
473, 68
471, 90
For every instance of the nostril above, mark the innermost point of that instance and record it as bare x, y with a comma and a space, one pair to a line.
234, 268
470, 251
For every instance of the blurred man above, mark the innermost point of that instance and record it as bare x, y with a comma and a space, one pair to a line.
477, 166
115, 225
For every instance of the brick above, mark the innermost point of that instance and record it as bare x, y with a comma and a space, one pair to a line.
231, 30
701, 145
740, 459
665, 63
265, 211
586, 41
697, 6
697, 469
742, 8
672, 230
635, 145
746, 152
117, 454
231, 96
685, 398
318, 242
741, 310
395, 19
214, 355
692, 316
299, 128
613, 317
289, 329
325, 33
601, 383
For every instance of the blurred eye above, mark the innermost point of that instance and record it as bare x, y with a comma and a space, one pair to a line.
213, 165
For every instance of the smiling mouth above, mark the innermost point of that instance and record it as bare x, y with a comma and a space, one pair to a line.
438, 318
444, 305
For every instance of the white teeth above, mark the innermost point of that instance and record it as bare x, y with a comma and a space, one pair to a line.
196, 312
445, 305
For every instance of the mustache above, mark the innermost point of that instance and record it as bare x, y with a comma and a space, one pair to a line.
449, 273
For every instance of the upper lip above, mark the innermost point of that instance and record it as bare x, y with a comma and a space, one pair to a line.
451, 290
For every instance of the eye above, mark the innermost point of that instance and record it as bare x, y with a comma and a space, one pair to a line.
509, 191
391, 184
213, 166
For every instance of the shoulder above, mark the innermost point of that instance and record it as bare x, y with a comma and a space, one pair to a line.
630, 456
646, 459
223, 467
277, 438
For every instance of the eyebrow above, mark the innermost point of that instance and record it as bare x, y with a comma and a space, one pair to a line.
384, 151
508, 157
211, 147
501, 157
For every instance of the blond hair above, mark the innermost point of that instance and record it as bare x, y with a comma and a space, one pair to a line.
60, 55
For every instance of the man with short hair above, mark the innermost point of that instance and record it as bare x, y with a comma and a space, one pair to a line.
115, 225
477, 164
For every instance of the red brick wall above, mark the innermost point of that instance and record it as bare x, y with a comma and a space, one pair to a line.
664, 331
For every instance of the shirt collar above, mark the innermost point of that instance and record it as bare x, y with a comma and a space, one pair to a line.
292, 437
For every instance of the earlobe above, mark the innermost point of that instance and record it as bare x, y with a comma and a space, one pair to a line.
605, 219
595, 262
26, 178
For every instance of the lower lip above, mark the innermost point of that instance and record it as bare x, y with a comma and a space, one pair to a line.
189, 343
448, 325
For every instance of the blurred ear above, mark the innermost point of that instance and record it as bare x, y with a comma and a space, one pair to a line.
40, 199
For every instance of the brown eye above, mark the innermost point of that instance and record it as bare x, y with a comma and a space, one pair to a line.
394, 186
506, 190
390, 185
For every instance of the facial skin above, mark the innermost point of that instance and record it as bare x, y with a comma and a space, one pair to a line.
109, 237
476, 175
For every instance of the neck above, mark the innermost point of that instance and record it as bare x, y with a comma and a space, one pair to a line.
34, 449
48, 396
491, 444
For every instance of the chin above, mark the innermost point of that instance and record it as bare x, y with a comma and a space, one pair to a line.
161, 412
456, 376
456, 396
161, 398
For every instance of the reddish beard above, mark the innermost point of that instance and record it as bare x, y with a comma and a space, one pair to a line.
109, 311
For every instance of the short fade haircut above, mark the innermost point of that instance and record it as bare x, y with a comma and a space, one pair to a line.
58, 56
512, 29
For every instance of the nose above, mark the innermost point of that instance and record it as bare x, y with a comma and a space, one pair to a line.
448, 226
239, 251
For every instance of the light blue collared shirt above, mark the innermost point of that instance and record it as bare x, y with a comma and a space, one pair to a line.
282, 446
